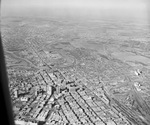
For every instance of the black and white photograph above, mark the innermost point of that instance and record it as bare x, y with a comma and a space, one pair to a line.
77, 62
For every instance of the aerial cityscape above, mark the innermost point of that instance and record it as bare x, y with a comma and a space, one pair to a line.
77, 72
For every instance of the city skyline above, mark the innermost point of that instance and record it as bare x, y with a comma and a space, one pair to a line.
77, 62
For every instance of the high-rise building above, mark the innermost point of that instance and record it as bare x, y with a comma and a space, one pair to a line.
49, 89
16, 94
58, 89
35, 91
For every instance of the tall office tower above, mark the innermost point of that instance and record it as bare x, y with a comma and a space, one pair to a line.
16, 94
49, 90
35, 91
44, 88
58, 89
63, 84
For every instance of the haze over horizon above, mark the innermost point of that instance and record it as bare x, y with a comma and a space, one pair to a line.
75, 8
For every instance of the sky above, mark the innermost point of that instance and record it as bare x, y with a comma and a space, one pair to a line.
70, 8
